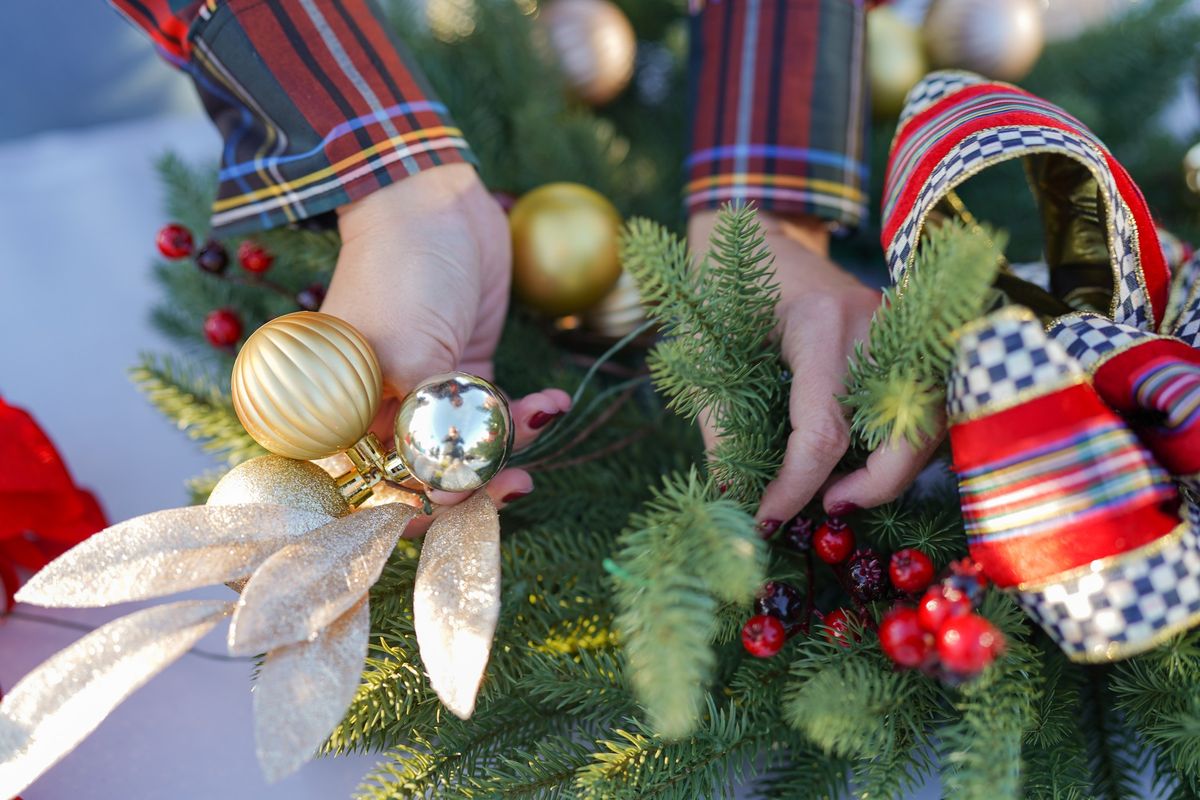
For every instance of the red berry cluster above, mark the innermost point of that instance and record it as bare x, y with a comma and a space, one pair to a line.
223, 327
779, 613
942, 635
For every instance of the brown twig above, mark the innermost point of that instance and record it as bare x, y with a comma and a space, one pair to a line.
608, 449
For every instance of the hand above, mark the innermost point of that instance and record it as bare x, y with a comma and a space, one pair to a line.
822, 312
424, 274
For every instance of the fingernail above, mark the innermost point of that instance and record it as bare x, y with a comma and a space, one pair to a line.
767, 527
511, 496
541, 418
842, 509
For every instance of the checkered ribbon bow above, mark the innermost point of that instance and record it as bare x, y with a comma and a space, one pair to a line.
1076, 438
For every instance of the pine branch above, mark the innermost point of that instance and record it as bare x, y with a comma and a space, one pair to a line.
717, 359
675, 557
896, 392
197, 406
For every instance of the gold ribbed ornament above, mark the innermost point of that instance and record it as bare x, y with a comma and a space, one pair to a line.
306, 385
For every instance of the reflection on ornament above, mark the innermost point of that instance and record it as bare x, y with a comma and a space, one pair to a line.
565, 239
1191, 168
1001, 39
594, 45
453, 432
895, 60
620, 312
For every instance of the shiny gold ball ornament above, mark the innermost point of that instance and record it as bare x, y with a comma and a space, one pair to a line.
594, 45
1001, 39
454, 432
280, 481
895, 60
306, 385
565, 241
1191, 168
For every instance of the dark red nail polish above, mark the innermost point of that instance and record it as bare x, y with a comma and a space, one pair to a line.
767, 527
541, 418
511, 496
842, 509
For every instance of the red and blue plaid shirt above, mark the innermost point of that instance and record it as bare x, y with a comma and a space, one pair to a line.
320, 105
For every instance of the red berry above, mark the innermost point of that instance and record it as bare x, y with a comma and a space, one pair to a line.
903, 639
837, 626
940, 604
174, 241
311, 297
833, 541
254, 257
911, 570
763, 636
967, 577
222, 328
968, 643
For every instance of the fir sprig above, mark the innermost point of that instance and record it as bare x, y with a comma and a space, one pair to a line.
896, 382
198, 406
676, 559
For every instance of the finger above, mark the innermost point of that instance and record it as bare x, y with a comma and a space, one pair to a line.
816, 444
888, 472
534, 413
508, 486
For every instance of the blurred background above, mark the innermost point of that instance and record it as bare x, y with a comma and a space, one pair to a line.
87, 107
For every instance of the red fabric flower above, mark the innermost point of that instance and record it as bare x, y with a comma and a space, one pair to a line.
42, 512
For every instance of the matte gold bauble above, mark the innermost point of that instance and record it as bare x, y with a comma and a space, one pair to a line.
306, 385
1000, 39
1191, 168
594, 45
565, 240
280, 481
620, 312
895, 60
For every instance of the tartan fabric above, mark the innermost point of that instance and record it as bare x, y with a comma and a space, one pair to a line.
779, 107
317, 103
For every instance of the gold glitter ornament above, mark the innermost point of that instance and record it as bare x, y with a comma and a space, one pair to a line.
895, 60
565, 248
282, 481
594, 45
1001, 39
306, 385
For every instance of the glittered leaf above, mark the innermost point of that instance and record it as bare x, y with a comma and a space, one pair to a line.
54, 707
313, 581
303, 690
456, 600
167, 552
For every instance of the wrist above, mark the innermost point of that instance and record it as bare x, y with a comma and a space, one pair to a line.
446, 192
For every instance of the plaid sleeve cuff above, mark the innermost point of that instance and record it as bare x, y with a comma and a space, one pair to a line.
318, 106
779, 107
